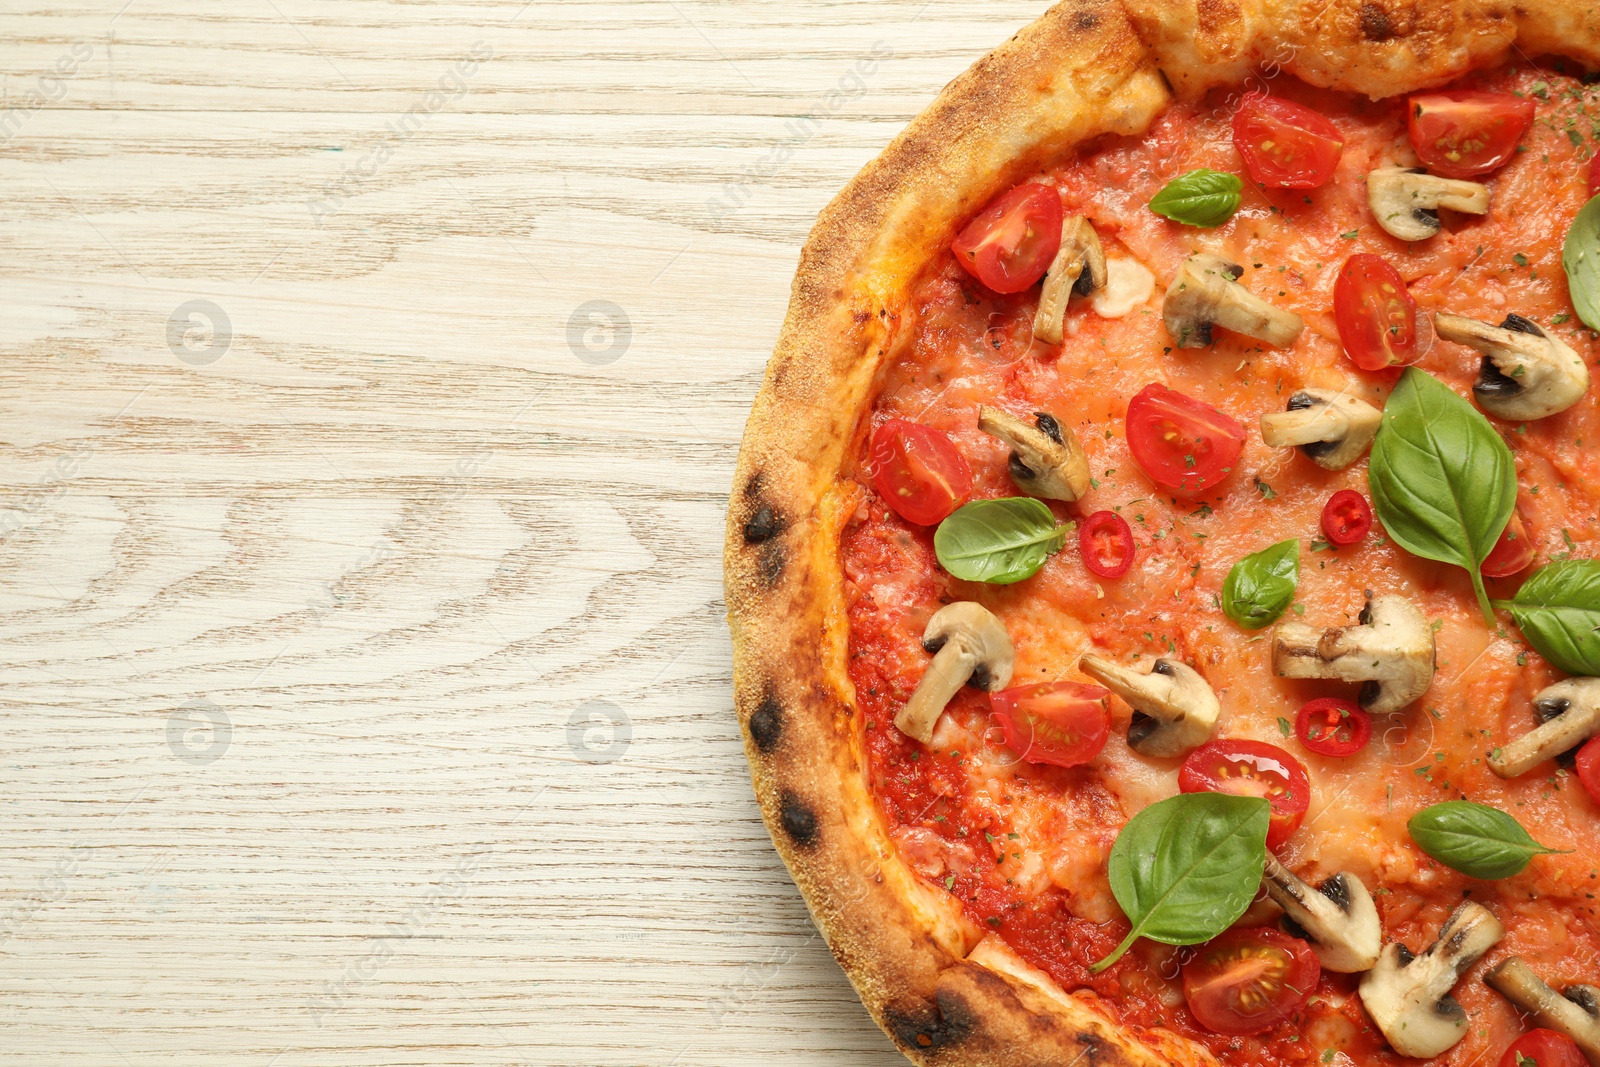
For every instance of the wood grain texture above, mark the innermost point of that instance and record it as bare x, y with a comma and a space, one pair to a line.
366, 689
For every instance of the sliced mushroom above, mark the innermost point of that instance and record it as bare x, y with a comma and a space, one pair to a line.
1406, 200
1568, 713
1174, 707
1526, 373
1078, 269
1331, 428
1391, 651
1575, 1011
1409, 997
1046, 459
970, 647
1207, 293
1339, 919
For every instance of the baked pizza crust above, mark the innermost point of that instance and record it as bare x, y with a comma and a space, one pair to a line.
944, 992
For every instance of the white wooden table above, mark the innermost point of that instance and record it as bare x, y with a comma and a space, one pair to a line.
372, 375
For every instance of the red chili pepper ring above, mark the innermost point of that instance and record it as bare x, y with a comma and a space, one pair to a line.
1106, 542
1346, 517
1333, 726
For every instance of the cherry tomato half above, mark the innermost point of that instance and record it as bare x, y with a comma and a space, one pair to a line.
1346, 517
1251, 769
1179, 442
1064, 723
1464, 132
918, 471
1285, 145
1250, 980
1009, 244
1594, 174
1106, 543
1376, 317
1589, 768
1543, 1048
1512, 553
1333, 727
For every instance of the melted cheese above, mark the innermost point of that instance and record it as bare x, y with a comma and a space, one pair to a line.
1129, 284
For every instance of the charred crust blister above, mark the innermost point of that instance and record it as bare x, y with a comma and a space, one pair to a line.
798, 820
1375, 24
766, 723
947, 1021
763, 526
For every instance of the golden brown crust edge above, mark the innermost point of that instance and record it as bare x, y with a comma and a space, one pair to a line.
1077, 72
1081, 70
1376, 47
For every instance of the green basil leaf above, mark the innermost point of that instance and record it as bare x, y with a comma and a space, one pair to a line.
1580, 258
1475, 839
1443, 482
1260, 586
1200, 198
1558, 611
1184, 869
999, 541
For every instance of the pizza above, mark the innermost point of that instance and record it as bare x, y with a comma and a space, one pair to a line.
1162, 561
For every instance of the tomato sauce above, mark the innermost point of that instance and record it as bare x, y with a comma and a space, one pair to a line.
1022, 847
